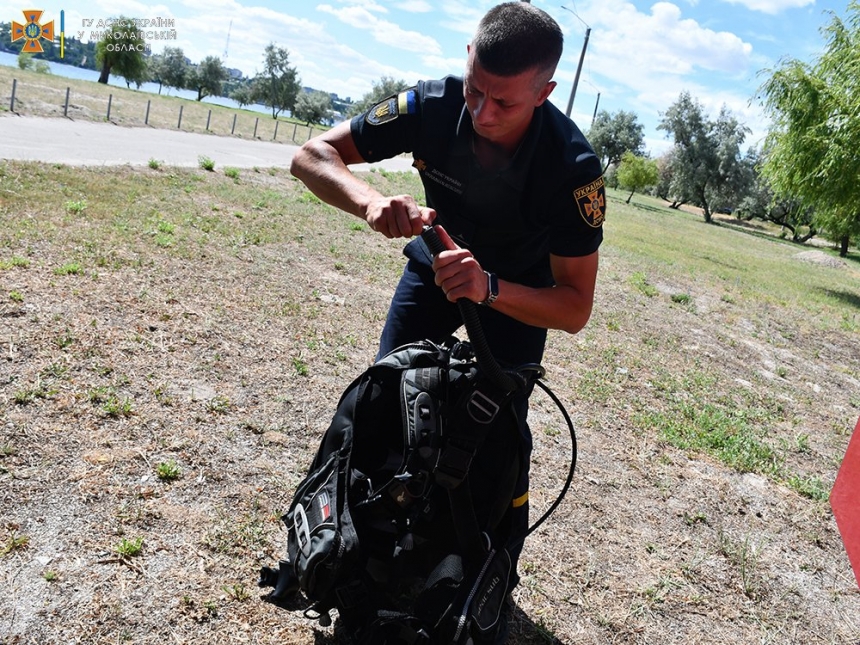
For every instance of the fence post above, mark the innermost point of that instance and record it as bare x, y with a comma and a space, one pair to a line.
110, 100
179, 125
66, 104
146, 117
295, 127
233, 129
275, 136
12, 102
208, 118
256, 123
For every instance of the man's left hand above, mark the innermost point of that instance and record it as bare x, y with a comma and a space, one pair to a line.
458, 272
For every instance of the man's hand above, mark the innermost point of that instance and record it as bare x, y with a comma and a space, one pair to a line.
458, 273
398, 216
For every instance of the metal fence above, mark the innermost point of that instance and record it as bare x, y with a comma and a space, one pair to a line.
48, 97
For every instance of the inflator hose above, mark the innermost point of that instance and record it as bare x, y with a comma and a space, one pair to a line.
469, 313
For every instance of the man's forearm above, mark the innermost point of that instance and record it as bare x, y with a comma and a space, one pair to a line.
319, 166
560, 307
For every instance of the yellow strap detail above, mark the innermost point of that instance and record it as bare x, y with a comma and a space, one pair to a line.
521, 500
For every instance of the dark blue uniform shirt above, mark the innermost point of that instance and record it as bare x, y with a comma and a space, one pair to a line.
550, 198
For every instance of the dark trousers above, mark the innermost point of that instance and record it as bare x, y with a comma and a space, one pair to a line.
419, 310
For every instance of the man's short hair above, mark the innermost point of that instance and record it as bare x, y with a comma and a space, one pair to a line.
514, 37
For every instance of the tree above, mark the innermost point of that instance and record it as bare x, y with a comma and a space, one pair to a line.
386, 87
760, 201
636, 173
207, 77
706, 161
313, 107
170, 68
665, 177
613, 135
120, 52
811, 149
242, 95
278, 85
26, 61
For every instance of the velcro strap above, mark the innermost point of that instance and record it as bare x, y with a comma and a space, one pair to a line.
453, 465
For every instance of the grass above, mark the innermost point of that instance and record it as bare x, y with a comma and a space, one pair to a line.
743, 267
168, 471
129, 548
218, 321
14, 543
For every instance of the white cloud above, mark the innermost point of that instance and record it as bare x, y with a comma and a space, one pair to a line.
772, 7
383, 31
415, 6
674, 51
460, 17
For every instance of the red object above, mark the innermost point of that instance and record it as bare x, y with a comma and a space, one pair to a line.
845, 501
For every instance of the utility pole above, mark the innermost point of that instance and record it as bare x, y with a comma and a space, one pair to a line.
227, 44
578, 71
581, 59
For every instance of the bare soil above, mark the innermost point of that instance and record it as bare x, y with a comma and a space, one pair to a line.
227, 356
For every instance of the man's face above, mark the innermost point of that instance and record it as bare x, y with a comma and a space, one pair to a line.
501, 107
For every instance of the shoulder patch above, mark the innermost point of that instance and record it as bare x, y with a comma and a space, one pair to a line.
591, 201
392, 107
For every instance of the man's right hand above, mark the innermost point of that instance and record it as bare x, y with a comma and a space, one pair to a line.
398, 216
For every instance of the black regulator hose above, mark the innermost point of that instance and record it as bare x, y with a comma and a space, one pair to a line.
469, 312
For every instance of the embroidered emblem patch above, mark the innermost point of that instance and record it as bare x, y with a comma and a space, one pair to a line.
391, 108
591, 200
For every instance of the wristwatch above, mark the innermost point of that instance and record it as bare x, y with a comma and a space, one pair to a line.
492, 289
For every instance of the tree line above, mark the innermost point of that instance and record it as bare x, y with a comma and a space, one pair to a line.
803, 178
122, 52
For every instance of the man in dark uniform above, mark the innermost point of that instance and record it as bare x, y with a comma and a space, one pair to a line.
514, 184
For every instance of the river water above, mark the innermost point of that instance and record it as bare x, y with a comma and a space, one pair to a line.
81, 74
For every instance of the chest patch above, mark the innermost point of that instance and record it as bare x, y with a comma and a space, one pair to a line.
591, 201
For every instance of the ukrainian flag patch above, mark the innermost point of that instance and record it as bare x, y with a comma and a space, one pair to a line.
392, 107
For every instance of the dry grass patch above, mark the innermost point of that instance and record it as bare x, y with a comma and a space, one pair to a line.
159, 404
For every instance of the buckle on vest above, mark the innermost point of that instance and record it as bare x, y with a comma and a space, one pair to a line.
481, 408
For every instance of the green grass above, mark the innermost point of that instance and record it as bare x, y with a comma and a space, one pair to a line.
14, 543
736, 438
747, 268
129, 548
168, 471
13, 262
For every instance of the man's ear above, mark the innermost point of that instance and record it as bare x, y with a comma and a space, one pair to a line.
545, 92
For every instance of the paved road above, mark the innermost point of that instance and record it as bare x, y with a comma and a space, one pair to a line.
86, 143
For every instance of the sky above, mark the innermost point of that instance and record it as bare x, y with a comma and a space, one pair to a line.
639, 57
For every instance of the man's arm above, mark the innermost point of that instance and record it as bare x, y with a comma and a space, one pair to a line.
566, 306
321, 164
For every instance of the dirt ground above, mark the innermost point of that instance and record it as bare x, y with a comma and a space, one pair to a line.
227, 363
